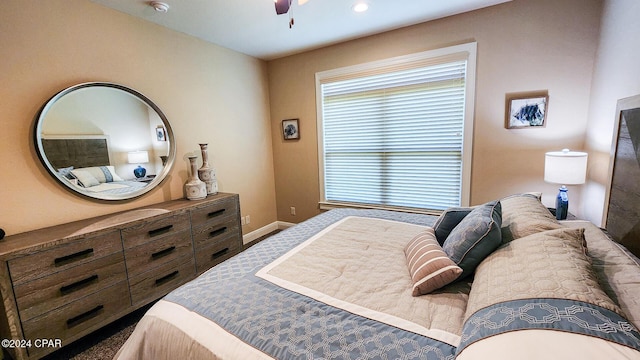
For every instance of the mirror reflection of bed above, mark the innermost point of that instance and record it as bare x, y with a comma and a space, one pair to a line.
85, 163
104, 141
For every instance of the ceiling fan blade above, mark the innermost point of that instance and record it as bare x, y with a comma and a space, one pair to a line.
282, 6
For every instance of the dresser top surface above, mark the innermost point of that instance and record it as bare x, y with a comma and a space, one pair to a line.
40, 239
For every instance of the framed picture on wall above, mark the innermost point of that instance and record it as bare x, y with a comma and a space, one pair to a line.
290, 129
161, 133
526, 110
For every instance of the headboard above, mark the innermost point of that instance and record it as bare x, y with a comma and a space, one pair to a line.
79, 152
622, 212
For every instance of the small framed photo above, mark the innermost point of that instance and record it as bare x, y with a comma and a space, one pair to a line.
290, 129
526, 110
161, 133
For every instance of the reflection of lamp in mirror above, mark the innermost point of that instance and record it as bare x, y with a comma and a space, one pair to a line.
567, 168
138, 157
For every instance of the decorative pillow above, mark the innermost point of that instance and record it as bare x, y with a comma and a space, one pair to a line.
66, 172
523, 215
448, 220
85, 179
548, 264
103, 174
475, 237
429, 266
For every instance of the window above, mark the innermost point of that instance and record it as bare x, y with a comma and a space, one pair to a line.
397, 133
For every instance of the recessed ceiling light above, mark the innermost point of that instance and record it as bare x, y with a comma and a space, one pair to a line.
360, 7
160, 6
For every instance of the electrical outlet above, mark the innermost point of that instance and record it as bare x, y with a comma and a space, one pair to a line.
247, 221
243, 221
293, 210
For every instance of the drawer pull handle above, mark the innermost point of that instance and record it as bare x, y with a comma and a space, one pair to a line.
216, 213
67, 289
217, 232
220, 253
166, 278
159, 231
161, 253
84, 316
67, 259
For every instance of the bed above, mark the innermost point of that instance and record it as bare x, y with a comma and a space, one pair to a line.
85, 163
358, 284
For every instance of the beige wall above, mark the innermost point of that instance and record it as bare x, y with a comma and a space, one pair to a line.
523, 45
208, 93
616, 76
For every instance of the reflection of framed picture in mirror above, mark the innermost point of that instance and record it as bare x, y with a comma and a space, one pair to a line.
526, 110
161, 133
290, 129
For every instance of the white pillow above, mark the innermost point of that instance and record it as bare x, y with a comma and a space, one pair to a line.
85, 178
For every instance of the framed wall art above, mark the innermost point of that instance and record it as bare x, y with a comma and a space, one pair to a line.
290, 129
526, 110
161, 133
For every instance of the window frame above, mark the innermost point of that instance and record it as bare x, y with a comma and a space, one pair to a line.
466, 51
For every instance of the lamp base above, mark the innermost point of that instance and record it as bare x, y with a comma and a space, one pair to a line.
139, 172
562, 204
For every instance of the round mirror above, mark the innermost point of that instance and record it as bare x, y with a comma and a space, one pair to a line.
104, 141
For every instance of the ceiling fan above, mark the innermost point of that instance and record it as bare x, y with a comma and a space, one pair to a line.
283, 6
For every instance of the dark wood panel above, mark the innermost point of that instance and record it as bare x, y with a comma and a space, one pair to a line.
623, 216
215, 212
61, 258
50, 292
79, 315
154, 230
158, 282
217, 252
78, 153
153, 254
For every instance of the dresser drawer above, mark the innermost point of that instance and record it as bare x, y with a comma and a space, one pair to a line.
217, 212
156, 253
63, 257
50, 292
79, 315
209, 234
158, 282
211, 255
153, 230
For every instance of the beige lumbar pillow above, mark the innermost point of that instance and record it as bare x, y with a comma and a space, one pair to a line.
429, 266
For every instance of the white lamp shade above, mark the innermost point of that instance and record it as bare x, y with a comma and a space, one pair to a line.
138, 157
565, 167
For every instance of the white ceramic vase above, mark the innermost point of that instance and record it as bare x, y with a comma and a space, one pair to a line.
206, 173
195, 188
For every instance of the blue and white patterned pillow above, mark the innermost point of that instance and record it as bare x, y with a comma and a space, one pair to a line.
475, 237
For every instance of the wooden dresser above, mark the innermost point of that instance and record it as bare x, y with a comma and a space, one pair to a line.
63, 282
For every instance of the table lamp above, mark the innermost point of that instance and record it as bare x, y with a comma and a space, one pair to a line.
567, 168
138, 157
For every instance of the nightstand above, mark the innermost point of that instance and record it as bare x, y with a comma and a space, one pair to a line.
146, 179
570, 216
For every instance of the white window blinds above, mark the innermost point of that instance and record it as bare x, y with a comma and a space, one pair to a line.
395, 138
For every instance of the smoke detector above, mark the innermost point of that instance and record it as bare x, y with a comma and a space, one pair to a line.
160, 6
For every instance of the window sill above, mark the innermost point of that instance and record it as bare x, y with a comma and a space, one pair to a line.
327, 205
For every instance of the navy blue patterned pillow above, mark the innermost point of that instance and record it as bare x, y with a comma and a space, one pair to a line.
475, 237
448, 220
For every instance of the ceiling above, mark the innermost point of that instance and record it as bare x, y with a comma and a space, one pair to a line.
253, 28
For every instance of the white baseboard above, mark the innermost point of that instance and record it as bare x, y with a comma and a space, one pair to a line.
276, 225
